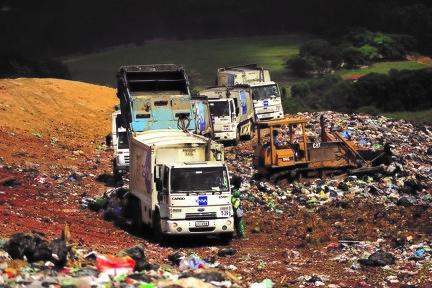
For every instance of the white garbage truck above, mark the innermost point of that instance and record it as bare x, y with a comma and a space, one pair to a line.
120, 144
179, 184
232, 113
265, 93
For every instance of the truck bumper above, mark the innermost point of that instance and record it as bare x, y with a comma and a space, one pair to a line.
271, 115
225, 136
183, 227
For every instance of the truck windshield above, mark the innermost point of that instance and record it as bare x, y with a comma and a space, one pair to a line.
214, 179
219, 108
264, 92
123, 142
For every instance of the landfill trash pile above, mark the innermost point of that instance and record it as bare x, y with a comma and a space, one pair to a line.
406, 182
345, 231
28, 260
351, 220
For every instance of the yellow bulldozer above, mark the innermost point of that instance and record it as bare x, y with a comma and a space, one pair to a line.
285, 151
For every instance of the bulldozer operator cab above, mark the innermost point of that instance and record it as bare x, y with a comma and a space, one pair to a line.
281, 143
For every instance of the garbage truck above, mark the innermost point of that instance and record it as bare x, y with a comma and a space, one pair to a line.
179, 184
232, 113
265, 93
155, 96
120, 144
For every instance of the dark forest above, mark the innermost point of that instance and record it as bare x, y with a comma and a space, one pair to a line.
49, 28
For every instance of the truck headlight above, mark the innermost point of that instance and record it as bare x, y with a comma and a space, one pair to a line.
218, 156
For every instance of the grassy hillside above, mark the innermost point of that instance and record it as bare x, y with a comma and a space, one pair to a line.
384, 67
418, 116
200, 57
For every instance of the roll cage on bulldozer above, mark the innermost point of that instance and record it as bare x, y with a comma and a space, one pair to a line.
285, 151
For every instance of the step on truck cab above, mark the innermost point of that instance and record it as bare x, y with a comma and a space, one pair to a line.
232, 112
265, 93
180, 184
155, 96
120, 143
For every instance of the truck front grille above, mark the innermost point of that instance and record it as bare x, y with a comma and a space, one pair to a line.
200, 216
126, 159
202, 229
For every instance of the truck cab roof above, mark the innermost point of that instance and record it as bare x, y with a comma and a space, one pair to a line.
165, 137
258, 84
197, 164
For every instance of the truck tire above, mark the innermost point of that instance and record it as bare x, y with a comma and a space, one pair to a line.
252, 131
226, 238
137, 224
116, 173
157, 229
237, 139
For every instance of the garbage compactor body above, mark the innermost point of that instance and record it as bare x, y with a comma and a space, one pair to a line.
180, 183
291, 151
155, 96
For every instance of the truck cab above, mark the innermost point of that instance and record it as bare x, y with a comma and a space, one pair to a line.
194, 198
180, 184
232, 113
120, 143
267, 101
224, 119
265, 93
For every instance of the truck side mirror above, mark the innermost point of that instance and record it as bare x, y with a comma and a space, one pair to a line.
108, 140
158, 184
237, 111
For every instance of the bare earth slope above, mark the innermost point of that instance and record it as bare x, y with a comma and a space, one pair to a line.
65, 115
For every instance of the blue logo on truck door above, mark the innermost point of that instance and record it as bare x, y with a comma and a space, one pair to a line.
202, 201
243, 102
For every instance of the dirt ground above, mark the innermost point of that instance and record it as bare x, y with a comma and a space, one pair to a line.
52, 133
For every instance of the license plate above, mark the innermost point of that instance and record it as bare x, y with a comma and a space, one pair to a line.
202, 224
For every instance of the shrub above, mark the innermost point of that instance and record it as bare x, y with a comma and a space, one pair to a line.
301, 66
371, 110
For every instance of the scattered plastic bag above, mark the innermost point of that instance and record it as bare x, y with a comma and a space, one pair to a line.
266, 283
114, 265
192, 262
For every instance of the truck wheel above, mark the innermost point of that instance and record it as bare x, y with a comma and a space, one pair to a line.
226, 238
116, 173
252, 131
157, 229
237, 139
137, 224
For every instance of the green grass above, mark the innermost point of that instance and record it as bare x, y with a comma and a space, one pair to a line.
384, 67
201, 58
417, 116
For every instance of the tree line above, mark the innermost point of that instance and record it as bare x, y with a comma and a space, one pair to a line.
399, 90
48, 28
352, 50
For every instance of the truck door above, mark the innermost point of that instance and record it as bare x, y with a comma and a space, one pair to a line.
232, 110
163, 194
